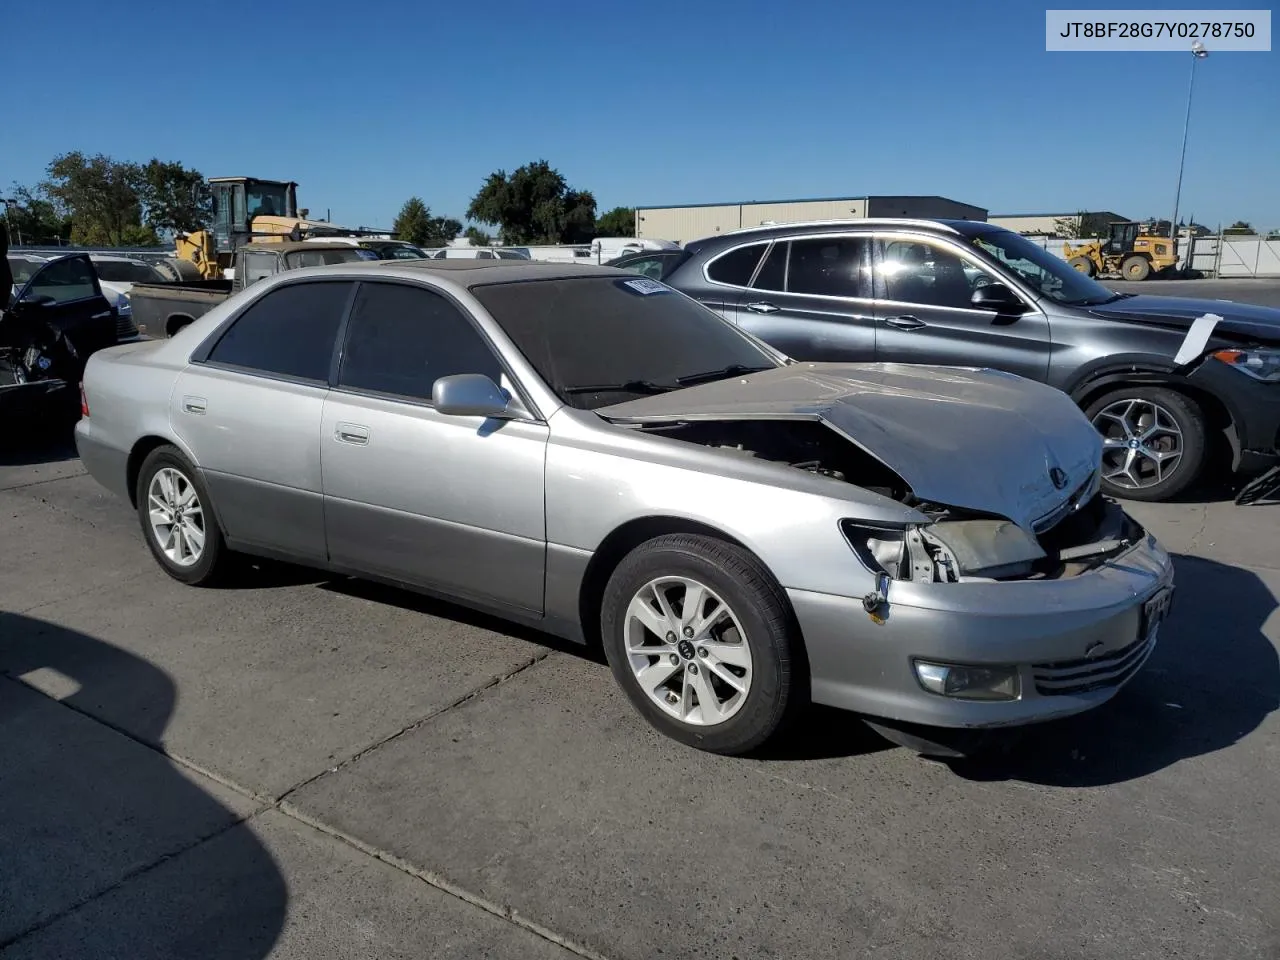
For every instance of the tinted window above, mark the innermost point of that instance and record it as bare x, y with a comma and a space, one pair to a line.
320, 258
71, 279
402, 339
1049, 274
736, 266
592, 338
927, 273
403, 253
289, 331
829, 267
22, 269
773, 272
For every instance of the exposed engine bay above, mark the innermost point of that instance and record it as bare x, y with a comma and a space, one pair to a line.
958, 545
34, 354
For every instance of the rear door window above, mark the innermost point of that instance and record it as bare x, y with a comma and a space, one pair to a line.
402, 339
288, 332
736, 267
829, 267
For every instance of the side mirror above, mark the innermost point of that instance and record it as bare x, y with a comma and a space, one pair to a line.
998, 297
470, 395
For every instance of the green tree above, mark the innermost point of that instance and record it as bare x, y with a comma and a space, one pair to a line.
1239, 228
174, 198
416, 224
100, 195
34, 219
478, 237
618, 222
534, 204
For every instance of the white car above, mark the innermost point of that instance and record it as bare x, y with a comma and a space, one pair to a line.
117, 275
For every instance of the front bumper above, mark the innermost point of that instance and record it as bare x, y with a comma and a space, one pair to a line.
1254, 407
1075, 641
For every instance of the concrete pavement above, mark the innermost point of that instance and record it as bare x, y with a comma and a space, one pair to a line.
299, 766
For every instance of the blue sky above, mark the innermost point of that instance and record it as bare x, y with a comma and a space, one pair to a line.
653, 102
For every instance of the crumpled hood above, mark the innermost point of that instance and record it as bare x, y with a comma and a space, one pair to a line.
1241, 319
977, 439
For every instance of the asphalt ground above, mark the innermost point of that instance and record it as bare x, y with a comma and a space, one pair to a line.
304, 766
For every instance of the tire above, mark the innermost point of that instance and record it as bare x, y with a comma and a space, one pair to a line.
213, 555
776, 679
1135, 268
1133, 404
1083, 265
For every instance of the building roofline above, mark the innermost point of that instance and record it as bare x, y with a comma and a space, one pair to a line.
761, 203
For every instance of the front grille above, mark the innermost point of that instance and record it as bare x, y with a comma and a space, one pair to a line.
1066, 677
1080, 496
125, 327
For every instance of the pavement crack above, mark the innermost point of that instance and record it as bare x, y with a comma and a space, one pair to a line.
444, 885
416, 724
1204, 523
128, 877
36, 483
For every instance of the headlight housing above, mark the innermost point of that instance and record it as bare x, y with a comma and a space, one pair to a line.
1261, 363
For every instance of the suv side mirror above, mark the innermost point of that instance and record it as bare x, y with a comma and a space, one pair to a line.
470, 395
998, 297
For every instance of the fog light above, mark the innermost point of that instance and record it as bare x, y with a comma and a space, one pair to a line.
968, 682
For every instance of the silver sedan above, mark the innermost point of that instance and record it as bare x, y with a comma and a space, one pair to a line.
591, 452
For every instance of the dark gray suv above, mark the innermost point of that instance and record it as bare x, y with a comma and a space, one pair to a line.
972, 294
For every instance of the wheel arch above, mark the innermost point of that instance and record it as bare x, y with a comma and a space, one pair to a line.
139, 452
1158, 372
176, 321
625, 538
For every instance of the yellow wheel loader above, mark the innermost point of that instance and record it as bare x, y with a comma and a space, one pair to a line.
245, 209
1129, 251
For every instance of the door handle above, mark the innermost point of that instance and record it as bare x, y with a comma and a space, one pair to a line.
760, 306
351, 433
905, 323
196, 405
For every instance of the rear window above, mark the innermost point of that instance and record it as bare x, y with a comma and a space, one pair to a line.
610, 331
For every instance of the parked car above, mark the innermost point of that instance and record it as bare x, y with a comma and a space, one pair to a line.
57, 319
959, 292
482, 253
162, 309
593, 453
384, 249
117, 275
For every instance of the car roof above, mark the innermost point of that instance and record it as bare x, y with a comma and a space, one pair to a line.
770, 230
114, 259
477, 273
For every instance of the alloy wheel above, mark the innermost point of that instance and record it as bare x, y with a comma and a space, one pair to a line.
1141, 443
177, 517
688, 651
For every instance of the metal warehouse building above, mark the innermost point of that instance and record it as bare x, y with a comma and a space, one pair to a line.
692, 221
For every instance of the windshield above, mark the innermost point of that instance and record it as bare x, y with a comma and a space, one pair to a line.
625, 336
125, 271
1044, 272
267, 200
512, 255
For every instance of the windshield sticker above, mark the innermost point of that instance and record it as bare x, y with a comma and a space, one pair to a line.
645, 286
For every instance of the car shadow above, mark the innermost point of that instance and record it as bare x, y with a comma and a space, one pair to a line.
1212, 679
447, 610
34, 448
109, 849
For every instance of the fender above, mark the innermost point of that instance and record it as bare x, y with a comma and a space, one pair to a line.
1121, 368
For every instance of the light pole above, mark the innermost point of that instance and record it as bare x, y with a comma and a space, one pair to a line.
1198, 53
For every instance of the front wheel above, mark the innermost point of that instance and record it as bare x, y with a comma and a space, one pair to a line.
1153, 442
177, 518
1136, 268
698, 635
1082, 265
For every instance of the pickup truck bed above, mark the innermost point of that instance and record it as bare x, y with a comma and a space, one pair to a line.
161, 309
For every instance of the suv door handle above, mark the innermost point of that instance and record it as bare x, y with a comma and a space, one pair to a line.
760, 306
351, 433
905, 322
195, 405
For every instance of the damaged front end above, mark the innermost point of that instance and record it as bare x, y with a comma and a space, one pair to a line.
34, 364
958, 544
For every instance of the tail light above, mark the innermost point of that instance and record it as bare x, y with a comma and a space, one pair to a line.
84, 402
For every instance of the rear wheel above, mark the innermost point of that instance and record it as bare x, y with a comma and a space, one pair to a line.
699, 637
177, 518
1083, 265
1153, 442
1135, 268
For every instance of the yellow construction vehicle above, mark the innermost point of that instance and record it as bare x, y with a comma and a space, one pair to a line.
1131, 251
245, 209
